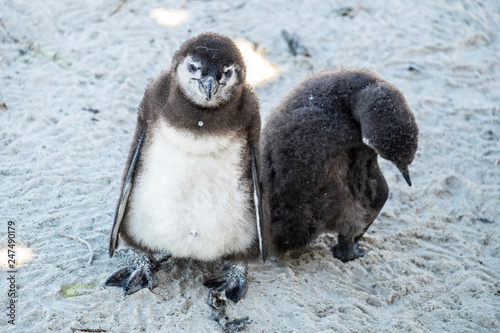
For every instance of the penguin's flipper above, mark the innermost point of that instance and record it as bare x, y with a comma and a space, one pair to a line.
135, 277
257, 197
122, 201
347, 250
233, 281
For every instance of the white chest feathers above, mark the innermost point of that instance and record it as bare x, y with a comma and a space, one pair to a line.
190, 199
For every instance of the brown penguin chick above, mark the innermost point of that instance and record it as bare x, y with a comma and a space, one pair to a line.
319, 157
190, 186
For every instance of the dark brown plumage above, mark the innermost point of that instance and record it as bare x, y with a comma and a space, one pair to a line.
319, 156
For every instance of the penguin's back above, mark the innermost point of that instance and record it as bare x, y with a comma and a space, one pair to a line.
329, 90
306, 155
314, 120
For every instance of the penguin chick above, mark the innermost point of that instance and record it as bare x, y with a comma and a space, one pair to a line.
319, 156
190, 187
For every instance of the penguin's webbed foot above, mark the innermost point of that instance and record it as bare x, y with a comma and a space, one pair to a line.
218, 304
233, 281
136, 276
347, 250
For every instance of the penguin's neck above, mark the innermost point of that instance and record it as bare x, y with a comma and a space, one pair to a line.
182, 114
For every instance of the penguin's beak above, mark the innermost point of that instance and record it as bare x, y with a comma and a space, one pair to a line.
406, 174
209, 85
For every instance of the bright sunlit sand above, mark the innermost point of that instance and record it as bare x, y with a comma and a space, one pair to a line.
259, 69
169, 17
21, 256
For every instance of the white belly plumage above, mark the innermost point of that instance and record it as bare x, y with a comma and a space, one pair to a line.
190, 200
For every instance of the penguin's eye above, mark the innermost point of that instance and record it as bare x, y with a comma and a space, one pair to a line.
228, 73
192, 68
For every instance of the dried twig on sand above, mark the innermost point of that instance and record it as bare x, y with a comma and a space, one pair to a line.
91, 260
350, 11
88, 330
120, 5
94, 111
12, 37
295, 46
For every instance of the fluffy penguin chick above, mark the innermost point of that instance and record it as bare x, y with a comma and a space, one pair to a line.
320, 147
190, 187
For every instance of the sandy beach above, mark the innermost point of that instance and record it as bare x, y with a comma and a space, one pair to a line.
72, 74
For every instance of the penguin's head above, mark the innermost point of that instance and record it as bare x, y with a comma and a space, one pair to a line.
388, 125
399, 148
209, 70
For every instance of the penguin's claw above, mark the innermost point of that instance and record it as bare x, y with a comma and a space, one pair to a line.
217, 283
234, 282
347, 250
218, 304
135, 277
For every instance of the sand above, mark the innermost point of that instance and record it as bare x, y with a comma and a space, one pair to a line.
72, 76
